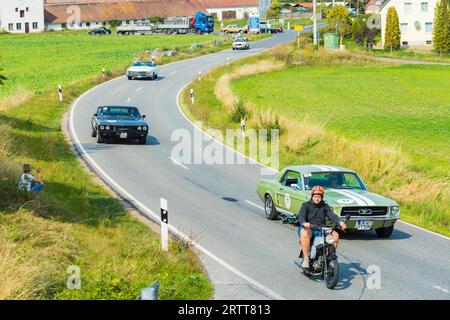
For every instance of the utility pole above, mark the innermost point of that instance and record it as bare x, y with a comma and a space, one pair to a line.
315, 22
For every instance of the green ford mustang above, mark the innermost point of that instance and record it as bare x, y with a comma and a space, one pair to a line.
345, 192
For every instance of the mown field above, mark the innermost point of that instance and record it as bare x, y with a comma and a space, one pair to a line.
390, 123
39, 62
74, 221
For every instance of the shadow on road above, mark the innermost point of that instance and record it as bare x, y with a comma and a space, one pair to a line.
372, 236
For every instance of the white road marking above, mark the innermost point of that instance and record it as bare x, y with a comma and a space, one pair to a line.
178, 163
441, 289
138, 89
152, 215
128, 100
254, 204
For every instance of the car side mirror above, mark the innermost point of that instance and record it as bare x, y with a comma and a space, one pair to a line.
143, 116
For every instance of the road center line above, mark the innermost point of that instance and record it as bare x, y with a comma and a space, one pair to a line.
139, 89
441, 289
129, 100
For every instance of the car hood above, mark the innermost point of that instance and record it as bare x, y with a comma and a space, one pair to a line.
354, 197
122, 121
141, 69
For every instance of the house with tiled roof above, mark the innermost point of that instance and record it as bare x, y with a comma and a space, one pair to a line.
22, 16
85, 14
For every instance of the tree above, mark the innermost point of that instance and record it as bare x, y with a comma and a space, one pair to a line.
356, 28
274, 10
339, 19
392, 31
441, 26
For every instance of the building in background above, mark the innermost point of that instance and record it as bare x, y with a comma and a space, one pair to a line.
86, 14
263, 6
229, 9
373, 6
416, 21
22, 16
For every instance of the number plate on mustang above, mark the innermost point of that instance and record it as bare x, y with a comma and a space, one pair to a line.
123, 135
363, 225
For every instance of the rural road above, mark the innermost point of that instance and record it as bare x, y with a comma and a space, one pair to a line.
245, 255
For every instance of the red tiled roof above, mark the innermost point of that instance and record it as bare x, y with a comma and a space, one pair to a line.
107, 10
229, 3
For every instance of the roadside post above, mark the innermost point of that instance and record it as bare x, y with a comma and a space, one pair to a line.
298, 28
192, 96
60, 92
104, 73
164, 225
200, 75
228, 61
243, 127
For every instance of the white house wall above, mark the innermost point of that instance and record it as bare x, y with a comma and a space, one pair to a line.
409, 32
9, 17
240, 11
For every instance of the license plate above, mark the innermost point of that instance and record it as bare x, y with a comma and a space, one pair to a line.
363, 225
123, 135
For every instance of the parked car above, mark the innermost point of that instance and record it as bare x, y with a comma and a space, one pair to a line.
240, 43
234, 28
345, 192
142, 70
99, 31
266, 27
120, 122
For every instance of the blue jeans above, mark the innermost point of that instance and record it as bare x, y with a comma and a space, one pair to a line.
315, 233
37, 187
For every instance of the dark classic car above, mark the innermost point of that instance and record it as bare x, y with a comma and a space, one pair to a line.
121, 122
99, 31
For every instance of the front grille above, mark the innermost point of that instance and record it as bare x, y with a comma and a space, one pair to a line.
124, 128
359, 211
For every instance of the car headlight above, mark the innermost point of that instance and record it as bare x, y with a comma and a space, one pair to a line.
395, 211
329, 239
107, 127
139, 128
102, 127
145, 128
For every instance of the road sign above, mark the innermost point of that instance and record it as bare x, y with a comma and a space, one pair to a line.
299, 28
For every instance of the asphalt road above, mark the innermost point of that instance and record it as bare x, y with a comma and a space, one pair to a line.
245, 255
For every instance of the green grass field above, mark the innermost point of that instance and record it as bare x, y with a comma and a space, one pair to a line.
407, 105
38, 62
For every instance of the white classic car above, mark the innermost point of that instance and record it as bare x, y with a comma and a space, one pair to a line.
142, 70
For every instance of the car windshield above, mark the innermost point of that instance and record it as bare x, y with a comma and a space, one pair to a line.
143, 64
240, 40
120, 112
333, 180
210, 19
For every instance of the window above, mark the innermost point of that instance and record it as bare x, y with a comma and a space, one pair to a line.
428, 27
11, 27
17, 9
88, 24
27, 9
424, 6
35, 25
408, 7
291, 179
18, 26
22, 13
403, 27
80, 25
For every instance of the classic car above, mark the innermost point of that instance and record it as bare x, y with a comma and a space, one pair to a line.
101, 30
121, 122
142, 70
240, 43
234, 28
345, 192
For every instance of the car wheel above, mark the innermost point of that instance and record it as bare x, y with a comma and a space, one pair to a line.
384, 232
99, 138
130, 78
94, 133
155, 76
143, 140
269, 208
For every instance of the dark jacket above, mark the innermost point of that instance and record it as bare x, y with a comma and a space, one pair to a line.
316, 214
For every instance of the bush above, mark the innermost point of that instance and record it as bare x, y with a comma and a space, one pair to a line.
239, 112
392, 32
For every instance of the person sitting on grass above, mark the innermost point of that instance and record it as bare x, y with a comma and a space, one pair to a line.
28, 183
